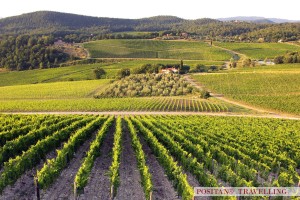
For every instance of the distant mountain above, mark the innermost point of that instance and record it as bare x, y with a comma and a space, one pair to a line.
46, 21
259, 20
79, 28
277, 20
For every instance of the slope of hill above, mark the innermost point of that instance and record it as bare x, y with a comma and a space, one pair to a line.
45, 21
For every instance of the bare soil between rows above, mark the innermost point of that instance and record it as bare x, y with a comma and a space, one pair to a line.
162, 187
62, 188
24, 187
130, 179
98, 186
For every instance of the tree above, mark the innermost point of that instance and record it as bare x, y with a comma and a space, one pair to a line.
41, 65
278, 59
184, 69
213, 68
98, 72
123, 73
246, 62
201, 68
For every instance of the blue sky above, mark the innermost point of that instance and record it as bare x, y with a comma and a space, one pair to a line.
187, 9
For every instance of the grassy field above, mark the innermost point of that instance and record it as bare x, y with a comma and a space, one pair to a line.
82, 72
272, 89
65, 90
78, 72
259, 50
186, 50
268, 68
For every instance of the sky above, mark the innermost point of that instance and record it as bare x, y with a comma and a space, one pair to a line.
187, 9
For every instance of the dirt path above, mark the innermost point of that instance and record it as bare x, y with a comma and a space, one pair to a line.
98, 186
261, 112
130, 179
234, 53
62, 188
291, 43
162, 187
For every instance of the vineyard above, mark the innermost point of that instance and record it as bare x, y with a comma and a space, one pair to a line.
186, 50
78, 96
275, 90
259, 50
115, 104
140, 157
84, 71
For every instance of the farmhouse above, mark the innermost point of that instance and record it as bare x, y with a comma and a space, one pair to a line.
169, 70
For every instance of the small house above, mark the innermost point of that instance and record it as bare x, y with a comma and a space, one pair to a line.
169, 70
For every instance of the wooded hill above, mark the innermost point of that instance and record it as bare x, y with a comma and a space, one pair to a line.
63, 24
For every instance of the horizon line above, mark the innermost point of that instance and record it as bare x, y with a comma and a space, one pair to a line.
216, 18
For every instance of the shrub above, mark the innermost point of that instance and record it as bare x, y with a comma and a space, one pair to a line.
98, 72
204, 94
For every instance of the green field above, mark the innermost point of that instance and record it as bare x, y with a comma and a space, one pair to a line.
114, 104
259, 50
271, 89
57, 90
78, 96
267, 68
83, 72
186, 50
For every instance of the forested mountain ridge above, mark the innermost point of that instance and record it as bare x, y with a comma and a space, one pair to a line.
62, 24
48, 22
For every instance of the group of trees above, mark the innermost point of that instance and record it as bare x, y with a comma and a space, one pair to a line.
156, 68
29, 52
200, 68
148, 85
292, 57
150, 69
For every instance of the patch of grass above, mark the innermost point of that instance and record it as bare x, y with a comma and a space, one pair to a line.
72, 90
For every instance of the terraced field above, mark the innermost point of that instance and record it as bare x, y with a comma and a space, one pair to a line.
186, 50
139, 157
